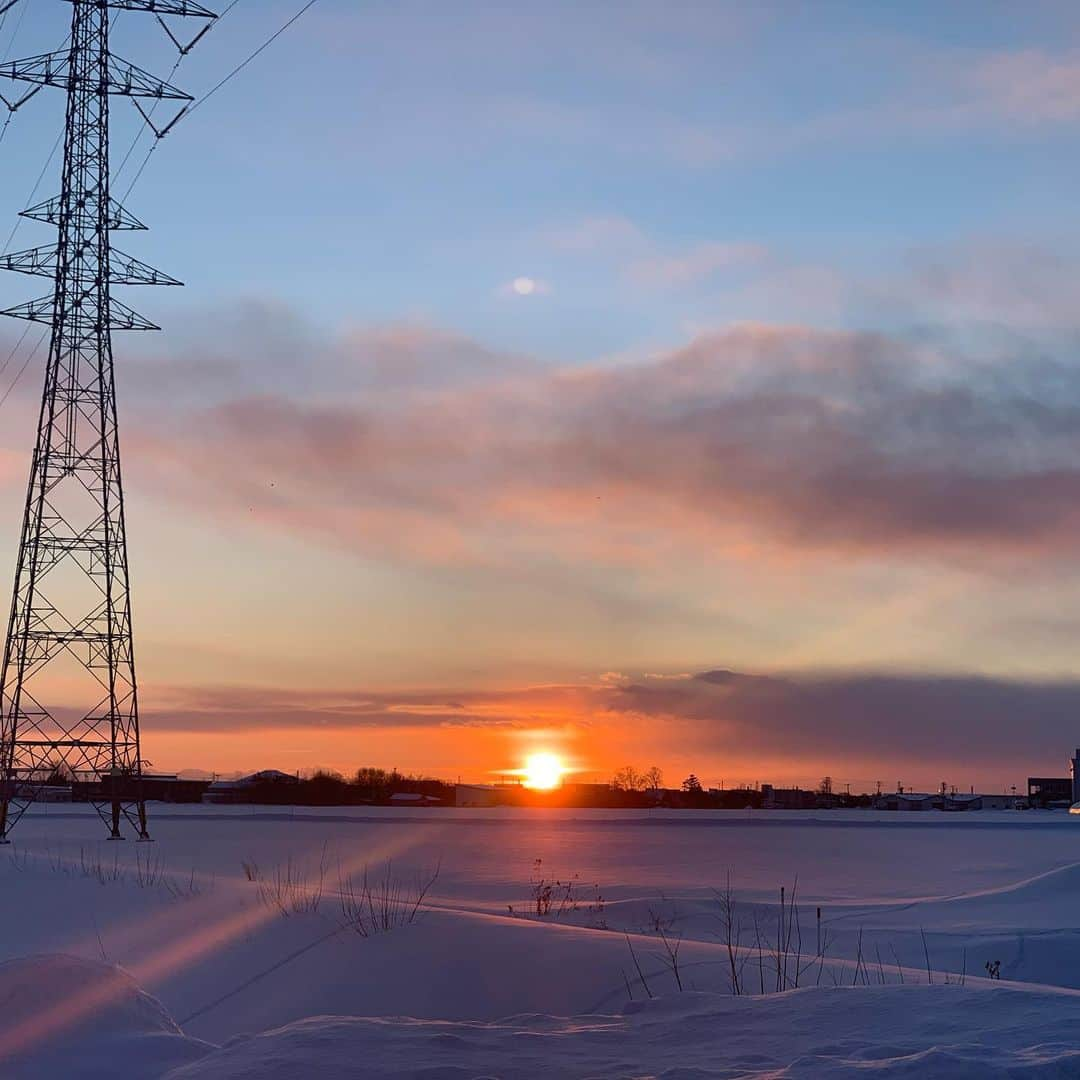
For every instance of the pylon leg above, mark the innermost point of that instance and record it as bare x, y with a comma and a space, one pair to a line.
116, 821
144, 836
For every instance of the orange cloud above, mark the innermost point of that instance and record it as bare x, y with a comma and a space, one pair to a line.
723, 725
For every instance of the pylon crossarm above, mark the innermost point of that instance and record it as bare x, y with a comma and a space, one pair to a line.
121, 317
40, 310
39, 260
130, 81
46, 69
124, 79
116, 218
127, 270
161, 7
123, 269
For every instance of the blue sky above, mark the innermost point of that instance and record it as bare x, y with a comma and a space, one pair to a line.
389, 161
793, 386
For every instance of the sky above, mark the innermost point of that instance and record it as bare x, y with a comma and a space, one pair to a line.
689, 384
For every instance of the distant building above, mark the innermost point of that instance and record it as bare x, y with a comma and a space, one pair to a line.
230, 791
584, 795
774, 798
1050, 791
49, 793
409, 798
154, 787
476, 795
906, 801
961, 802
1003, 802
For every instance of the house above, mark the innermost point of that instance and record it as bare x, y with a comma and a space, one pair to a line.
230, 791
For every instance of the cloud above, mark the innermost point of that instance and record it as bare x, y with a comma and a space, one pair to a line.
786, 439
1029, 86
871, 724
592, 235
693, 265
861, 727
240, 708
642, 261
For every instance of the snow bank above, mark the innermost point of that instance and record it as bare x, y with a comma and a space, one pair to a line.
101, 1025
817, 1034
62, 1015
225, 962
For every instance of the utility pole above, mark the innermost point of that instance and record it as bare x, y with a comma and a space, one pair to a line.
67, 686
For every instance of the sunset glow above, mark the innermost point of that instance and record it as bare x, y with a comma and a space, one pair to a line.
543, 772
584, 445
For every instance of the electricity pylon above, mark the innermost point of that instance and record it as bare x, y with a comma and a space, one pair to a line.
67, 686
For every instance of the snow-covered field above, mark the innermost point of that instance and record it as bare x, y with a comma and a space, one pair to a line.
248, 944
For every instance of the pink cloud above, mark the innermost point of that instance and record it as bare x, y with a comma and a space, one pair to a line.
751, 440
1030, 86
696, 264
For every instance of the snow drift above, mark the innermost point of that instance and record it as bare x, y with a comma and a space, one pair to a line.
90, 1020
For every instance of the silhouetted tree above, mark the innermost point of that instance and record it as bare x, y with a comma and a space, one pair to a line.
692, 785
654, 778
628, 779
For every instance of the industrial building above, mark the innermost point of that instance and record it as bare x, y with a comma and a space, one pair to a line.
1056, 792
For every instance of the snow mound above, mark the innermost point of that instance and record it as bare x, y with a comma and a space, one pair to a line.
951, 1033
69, 1017
59, 1010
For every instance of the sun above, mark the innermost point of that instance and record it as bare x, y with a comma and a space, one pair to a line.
543, 771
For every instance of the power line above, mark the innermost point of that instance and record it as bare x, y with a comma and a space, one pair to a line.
26, 363
240, 67
214, 89
18, 27
148, 117
33, 193
15, 348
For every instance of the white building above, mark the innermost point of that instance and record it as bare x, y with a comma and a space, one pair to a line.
475, 795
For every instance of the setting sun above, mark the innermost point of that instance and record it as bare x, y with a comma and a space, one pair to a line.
543, 771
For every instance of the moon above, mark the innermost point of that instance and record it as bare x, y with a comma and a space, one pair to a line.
524, 286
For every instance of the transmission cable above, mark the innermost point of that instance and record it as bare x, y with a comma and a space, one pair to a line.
11, 109
44, 169
202, 100
15, 31
33, 193
148, 117
15, 348
240, 67
214, 89
26, 363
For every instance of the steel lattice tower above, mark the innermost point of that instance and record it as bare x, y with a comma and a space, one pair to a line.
69, 633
